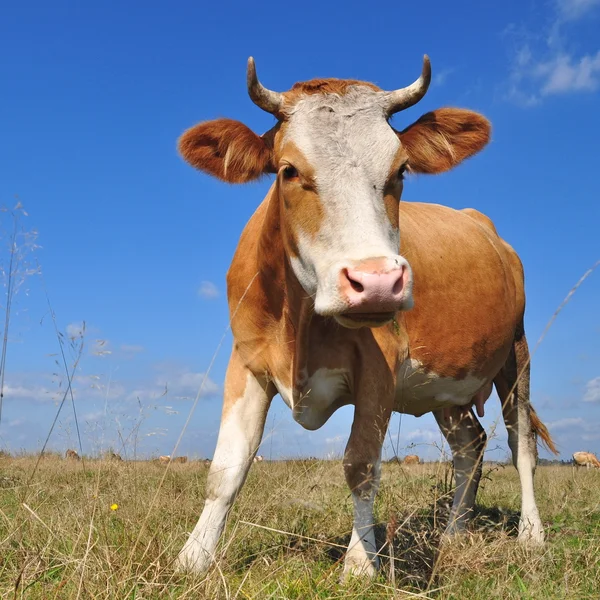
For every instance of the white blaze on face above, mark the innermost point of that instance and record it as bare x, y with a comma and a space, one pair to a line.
351, 147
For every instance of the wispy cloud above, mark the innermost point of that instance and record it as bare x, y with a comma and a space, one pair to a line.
592, 390
129, 351
336, 439
423, 436
544, 65
573, 10
75, 330
566, 423
575, 429
442, 75
208, 290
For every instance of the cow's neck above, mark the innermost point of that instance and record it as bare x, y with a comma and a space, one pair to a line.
287, 300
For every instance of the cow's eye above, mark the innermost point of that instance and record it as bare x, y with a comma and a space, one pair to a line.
401, 172
289, 172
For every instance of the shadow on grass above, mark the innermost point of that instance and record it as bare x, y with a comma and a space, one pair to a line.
417, 540
415, 544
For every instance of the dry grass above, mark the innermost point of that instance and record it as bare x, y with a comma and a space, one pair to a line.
287, 533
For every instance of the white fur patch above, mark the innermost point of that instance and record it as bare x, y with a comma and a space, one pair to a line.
239, 437
419, 392
351, 148
313, 405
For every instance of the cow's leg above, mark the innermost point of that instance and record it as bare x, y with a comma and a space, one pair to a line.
245, 405
522, 440
466, 438
362, 467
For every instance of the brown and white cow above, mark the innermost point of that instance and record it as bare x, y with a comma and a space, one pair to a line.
71, 454
411, 459
322, 286
585, 459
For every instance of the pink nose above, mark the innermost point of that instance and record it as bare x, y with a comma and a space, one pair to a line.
369, 290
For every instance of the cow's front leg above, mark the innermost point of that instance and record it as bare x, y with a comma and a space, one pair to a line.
362, 467
245, 405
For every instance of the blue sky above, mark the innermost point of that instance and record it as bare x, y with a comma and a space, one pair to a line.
136, 243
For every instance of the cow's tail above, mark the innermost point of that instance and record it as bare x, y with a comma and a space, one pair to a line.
541, 431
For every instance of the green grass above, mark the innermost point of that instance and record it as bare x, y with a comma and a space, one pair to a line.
286, 536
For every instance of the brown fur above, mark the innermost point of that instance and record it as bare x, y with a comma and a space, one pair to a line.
411, 459
325, 86
72, 455
301, 203
226, 149
583, 459
443, 138
180, 459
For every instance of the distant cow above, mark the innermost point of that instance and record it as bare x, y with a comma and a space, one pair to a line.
586, 459
206, 462
258, 458
180, 459
164, 460
411, 459
114, 456
72, 455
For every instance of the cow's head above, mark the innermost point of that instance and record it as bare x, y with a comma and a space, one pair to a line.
340, 168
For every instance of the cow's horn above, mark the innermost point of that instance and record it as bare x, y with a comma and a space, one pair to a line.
269, 101
405, 97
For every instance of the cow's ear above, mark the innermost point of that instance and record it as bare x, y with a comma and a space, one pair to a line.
442, 139
228, 150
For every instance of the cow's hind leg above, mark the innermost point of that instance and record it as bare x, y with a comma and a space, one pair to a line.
522, 438
245, 405
466, 438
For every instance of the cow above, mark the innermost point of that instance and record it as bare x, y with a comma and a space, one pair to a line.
72, 455
411, 459
180, 459
164, 460
258, 458
585, 459
114, 456
341, 294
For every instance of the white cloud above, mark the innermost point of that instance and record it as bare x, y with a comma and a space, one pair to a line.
572, 10
566, 423
544, 66
426, 436
130, 350
442, 75
565, 74
592, 390
576, 429
185, 385
337, 439
208, 290
75, 330
33, 392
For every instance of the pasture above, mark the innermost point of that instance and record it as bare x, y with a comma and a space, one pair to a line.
107, 529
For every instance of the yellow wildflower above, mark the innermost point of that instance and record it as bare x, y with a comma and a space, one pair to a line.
114, 506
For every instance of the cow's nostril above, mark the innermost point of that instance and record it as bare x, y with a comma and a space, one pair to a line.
356, 285
399, 283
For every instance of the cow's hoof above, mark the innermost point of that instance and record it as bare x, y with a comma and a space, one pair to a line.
531, 532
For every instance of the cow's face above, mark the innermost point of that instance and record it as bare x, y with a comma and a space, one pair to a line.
340, 167
339, 178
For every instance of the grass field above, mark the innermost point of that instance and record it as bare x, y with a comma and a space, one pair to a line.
61, 536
